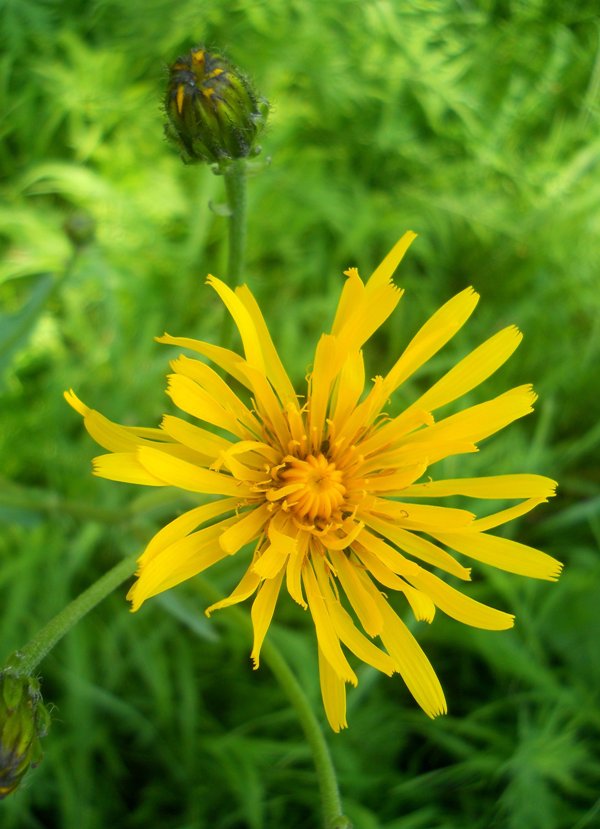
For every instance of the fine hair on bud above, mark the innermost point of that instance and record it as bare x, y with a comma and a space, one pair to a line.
214, 114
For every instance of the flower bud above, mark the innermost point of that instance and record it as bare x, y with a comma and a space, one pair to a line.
80, 227
214, 113
23, 721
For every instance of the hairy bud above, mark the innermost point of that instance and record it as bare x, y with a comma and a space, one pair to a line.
23, 721
214, 113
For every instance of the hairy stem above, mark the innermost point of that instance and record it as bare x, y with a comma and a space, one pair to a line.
25, 661
333, 817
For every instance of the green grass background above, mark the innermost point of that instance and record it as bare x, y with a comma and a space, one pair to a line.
475, 124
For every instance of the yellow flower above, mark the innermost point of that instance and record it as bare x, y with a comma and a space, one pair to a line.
326, 488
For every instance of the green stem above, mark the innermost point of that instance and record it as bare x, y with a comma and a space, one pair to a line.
235, 187
29, 657
333, 817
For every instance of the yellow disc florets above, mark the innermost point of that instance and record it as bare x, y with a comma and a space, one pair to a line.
318, 486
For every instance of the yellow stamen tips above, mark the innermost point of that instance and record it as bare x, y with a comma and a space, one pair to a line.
333, 494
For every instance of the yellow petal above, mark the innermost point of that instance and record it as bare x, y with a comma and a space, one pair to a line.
362, 603
392, 432
217, 389
228, 360
200, 440
364, 308
256, 453
268, 406
126, 468
436, 332
457, 605
333, 691
109, 435
263, 608
115, 437
327, 637
246, 587
496, 519
294, 571
421, 516
472, 370
184, 475
480, 421
421, 605
411, 662
384, 272
275, 370
350, 385
177, 563
414, 545
75, 402
189, 397
379, 301
351, 297
271, 562
397, 481
494, 486
243, 321
246, 528
326, 365
184, 524
347, 630
503, 554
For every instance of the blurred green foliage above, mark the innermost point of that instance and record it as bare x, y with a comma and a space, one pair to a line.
474, 123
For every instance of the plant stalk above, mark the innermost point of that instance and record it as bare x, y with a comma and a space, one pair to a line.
333, 817
235, 187
28, 658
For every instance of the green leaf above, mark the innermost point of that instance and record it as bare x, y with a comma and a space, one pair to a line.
16, 327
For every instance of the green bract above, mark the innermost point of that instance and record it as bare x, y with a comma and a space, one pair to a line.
214, 113
23, 721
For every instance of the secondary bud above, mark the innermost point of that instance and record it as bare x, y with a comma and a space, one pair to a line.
23, 721
214, 113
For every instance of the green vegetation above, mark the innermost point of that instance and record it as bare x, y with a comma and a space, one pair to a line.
475, 124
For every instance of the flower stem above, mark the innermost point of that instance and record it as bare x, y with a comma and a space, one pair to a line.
333, 817
28, 658
235, 187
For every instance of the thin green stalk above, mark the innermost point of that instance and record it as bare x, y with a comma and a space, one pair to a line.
234, 175
28, 658
333, 817
235, 187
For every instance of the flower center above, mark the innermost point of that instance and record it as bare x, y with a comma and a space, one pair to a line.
321, 491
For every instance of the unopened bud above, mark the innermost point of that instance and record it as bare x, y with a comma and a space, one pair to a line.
214, 113
80, 227
23, 721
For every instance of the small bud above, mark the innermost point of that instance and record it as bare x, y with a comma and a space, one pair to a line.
80, 227
23, 721
215, 115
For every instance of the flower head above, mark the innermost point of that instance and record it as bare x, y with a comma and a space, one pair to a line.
337, 499
214, 113
23, 721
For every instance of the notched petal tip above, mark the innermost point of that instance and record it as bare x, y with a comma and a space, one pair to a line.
132, 597
439, 712
75, 403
